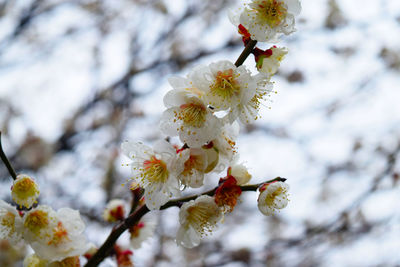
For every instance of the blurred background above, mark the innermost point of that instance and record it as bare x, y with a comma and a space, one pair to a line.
80, 76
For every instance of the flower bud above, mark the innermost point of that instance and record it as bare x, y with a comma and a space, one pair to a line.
115, 211
25, 191
123, 256
239, 171
268, 61
272, 196
91, 251
140, 232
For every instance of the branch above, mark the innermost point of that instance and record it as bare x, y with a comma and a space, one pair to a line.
134, 218
246, 52
7, 162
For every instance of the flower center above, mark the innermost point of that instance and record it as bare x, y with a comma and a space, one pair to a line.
8, 221
36, 221
225, 85
192, 114
155, 171
272, 12
59, 234
25, 188
200, 218
70, 261
194, 162
270, 199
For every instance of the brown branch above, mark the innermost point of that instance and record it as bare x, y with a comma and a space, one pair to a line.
7, 162
134, 218
246, 52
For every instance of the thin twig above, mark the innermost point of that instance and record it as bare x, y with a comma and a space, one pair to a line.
134, 218
7, 162
246, 52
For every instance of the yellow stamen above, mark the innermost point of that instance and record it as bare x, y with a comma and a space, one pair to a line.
192, 114
199, 217
155, 171
8, 221
36, 221
193, 163
271, 12
225, 85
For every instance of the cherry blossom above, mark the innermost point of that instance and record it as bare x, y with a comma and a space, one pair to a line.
115, 210
24, 191
272, 196
10, 224
53, 235
267, 20
141, 232
187, 115
194, 167
156, 170
197, 219
268, 61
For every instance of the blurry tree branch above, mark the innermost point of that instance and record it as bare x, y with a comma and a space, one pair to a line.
6, 161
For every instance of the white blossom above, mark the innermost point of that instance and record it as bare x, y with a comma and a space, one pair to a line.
24, 191
33, 260
197, 219
155, 170
115, 210
273, 196
240, 173
194, 167
54, 236
11, 254
187, 115
269, 65
10, 224
249, 112
224, 146
225, 85
267, 20
141, 232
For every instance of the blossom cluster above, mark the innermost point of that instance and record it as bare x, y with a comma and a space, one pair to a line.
56, 237
204, 110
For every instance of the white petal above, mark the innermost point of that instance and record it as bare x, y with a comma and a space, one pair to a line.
187, 238
168, 124
178, 82
294, 6
135, 149
174, 98
162, 146
155, 198
201, 77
